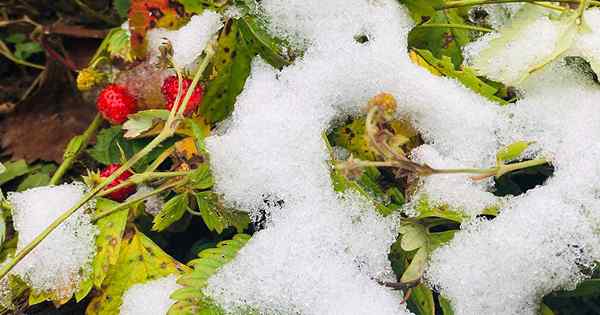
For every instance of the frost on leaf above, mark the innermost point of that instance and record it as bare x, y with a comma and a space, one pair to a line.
532, 39
48, 270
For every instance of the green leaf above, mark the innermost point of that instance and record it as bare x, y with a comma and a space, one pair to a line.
122, 7
231, 68
420, 10
545, 310
198, 134
13, 170
201, 178
440, 41
2, 168
466, 75
190, 299
586, 288
414, 236
140, 260
25, 50
171, 212
445, 306
143, 121
16, 38
217, 217
512, 151
257, 38
34, 180
110, 142
414, 271
421, 300
108, 241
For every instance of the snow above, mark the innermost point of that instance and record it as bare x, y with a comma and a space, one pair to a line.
189, 41
304, 260
587, 44
543, 240
150, 298
452, 188
63, 259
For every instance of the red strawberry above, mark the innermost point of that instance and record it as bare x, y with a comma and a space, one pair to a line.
120, 194
169, 90
115, 103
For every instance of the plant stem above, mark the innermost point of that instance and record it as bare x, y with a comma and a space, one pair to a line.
465, 3
63, 217
507, 168
140, 178
458, 26
140, 198
68, 160
168, 131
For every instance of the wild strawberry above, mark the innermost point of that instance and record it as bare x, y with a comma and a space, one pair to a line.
169, 90
115, 103
119, 194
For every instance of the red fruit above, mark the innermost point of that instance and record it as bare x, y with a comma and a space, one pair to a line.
169, 90
115, 103
119, 194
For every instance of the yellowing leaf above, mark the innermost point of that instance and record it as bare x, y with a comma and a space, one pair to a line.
140, 260
420, 61
108, 242
512, 151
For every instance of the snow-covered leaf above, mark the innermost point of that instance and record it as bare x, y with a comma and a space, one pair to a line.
253, 31
465, 75
191, 299
139, 260
217, 217
535, 37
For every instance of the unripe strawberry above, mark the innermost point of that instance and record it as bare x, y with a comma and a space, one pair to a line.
169, 90
115, 103
119, 194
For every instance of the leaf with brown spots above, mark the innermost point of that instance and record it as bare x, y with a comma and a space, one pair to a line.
108, 242
140, 260
145, 15
231, 67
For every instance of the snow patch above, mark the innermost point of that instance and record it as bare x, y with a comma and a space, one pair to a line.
63, 259
150, 298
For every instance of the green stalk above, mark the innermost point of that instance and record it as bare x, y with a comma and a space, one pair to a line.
68, 160
140, 198
466, 3
507, 168
457, 26
168, 131
63, 217
140, 178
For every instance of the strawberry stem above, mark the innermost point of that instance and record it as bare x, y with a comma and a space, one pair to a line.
168, 130
69, 159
